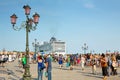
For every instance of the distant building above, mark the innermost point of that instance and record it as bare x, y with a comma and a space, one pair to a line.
53, 46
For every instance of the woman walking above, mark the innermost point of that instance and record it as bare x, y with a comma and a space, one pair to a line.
93, 64
41, 67
114, 65
82, 62
60, 61
104, 66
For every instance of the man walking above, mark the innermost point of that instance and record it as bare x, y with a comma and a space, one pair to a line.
49, 66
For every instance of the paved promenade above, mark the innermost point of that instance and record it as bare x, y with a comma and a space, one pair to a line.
12, 72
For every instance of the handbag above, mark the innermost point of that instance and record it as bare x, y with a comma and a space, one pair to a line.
67, 64
46, 74
113, 64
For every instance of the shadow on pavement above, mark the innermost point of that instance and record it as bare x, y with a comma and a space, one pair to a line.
11, 78
13, 75
19, 71
3, 72
34, 79
2, 78
31, 79
97, 75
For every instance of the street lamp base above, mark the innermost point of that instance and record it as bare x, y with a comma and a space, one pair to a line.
26, 77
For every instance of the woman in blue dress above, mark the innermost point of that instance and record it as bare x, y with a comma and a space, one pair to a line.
60, 61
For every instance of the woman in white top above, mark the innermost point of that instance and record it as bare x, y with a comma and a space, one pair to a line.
82, 62
10, 58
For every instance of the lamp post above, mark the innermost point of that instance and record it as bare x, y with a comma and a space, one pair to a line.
4, 50
84, 48
29, 24
92, 51
35, 44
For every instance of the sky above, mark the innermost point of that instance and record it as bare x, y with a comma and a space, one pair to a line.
94, 22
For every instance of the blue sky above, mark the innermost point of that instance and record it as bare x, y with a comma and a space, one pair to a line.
94, 22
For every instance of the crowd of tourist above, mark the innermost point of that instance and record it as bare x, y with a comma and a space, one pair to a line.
108, 62
9, 57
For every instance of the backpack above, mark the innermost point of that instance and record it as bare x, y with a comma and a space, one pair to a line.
41, 65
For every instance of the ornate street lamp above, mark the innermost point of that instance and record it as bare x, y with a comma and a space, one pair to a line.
27, 9
13, 19
35, 44
29, 24
84, 48
92, 51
